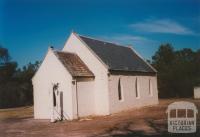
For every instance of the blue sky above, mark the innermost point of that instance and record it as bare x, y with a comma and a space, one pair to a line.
28, 27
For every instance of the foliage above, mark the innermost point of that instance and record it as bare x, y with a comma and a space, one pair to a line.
178, 71
15, 84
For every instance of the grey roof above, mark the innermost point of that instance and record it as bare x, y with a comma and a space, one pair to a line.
74, 64
117, 57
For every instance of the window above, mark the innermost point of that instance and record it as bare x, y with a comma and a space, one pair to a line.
54, 98
136, 88
150, 88
119, 90
173, 113
190, 113
181, 113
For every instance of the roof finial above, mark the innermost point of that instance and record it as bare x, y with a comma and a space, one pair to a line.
73, 31
51, 47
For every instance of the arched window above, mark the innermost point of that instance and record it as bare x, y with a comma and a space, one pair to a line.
136, 88
55, 88
54, 99
119, 90
150, 88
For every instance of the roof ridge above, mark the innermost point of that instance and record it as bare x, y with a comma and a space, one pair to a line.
98, 39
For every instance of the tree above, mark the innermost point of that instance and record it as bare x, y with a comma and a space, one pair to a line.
15, 84
7, 68
162, 61
25, 84
178, 71
4, 56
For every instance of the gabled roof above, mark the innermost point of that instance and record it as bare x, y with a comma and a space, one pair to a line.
74, 64
117, 57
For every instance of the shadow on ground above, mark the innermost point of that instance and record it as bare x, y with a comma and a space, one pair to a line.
140, 122
156, 129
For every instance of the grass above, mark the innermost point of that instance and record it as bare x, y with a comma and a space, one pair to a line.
15, 113
148, 121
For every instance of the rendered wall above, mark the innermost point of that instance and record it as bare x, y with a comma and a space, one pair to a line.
51, 71
101, 102
85, 94
129, 99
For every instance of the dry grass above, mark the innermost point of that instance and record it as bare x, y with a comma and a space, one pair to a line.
146, 121
14, 113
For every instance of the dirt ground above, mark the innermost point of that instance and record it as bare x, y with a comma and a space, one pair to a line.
146, 121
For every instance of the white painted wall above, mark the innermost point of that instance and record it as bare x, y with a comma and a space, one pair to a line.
74, 44
98, 97
85, 94
51, 71
129, 99
197, 92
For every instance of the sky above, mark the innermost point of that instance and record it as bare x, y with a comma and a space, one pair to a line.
29, 27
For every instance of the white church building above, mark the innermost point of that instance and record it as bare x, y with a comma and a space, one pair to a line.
92, 77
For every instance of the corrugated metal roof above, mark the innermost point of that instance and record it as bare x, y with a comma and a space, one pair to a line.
74, 64
117, 57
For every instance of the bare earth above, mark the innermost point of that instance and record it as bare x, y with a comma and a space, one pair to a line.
146, 121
